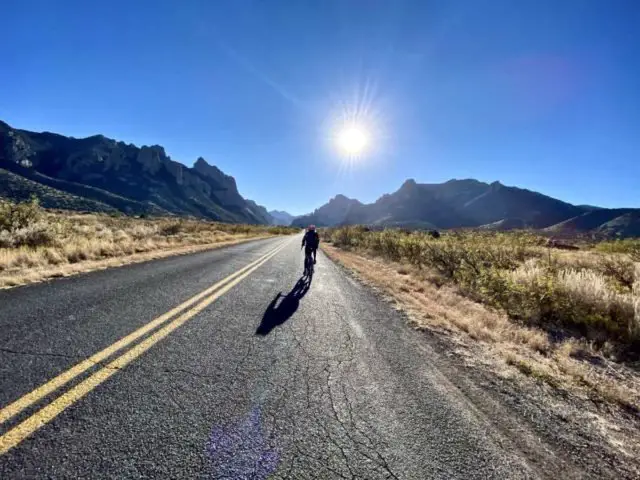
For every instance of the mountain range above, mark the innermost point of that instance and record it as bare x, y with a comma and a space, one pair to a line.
101, 174
470, 203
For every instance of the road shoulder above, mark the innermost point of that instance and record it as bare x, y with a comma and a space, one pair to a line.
557, 429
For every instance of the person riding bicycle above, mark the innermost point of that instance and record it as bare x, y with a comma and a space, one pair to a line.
311, 240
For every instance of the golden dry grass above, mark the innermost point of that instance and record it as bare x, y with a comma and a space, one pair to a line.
66, 244
32, 271
435, 305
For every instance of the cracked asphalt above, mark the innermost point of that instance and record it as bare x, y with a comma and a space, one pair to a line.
278, 378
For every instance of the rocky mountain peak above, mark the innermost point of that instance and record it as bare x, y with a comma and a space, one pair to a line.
340, 199
409, 184
201, 163
214, 173
152, 158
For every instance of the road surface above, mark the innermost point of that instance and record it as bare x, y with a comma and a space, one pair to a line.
265, 376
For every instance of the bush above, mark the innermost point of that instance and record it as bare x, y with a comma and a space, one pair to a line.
23, 224
6, 239
342, 237
412, 249
35, 235
620, 269
142, 231
15, 216
170, 229
602, 312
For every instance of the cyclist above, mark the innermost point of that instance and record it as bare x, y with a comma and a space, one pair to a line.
311, 240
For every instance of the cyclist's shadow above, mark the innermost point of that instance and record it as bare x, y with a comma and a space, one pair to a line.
278, 313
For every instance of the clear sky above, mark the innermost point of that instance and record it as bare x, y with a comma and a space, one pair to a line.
542, 94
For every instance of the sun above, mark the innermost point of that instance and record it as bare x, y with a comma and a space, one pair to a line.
353, 140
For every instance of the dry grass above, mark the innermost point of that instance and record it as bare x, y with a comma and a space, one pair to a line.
36, 244
441, 307
590, 286
57, 267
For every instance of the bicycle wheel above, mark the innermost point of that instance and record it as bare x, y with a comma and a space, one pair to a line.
308, 265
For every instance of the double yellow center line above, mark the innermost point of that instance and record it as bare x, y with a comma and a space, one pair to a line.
186, 311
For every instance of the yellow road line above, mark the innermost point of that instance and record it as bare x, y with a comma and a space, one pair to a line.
43, 416
29, 399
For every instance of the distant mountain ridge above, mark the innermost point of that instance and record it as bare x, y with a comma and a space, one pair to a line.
474, 204
112, 175
281, 218
333, 213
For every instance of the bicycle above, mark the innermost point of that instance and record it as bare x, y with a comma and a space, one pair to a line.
308, 263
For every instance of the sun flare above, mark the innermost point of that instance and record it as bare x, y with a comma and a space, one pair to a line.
353, 140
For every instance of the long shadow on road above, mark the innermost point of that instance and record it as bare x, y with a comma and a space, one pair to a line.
278, 313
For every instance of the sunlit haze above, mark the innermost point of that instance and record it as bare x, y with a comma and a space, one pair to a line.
353, 140
540, 94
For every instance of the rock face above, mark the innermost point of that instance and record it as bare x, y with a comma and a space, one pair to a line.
125, 177
470, 203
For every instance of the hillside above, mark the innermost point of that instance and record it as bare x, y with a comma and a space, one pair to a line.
120, 176
475, 204
614, 222
20, 189
534, 209
505, 224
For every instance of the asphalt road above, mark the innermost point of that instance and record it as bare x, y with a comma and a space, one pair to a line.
274, 377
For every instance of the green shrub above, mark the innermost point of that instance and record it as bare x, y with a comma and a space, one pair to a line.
620, 269
343, 237
6, 239
412, 248
24, 225
170, 229
14, 216
35, 235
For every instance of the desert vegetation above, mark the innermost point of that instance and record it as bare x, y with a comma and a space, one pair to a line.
36, 243
511, 288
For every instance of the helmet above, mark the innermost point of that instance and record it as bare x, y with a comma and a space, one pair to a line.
312, 227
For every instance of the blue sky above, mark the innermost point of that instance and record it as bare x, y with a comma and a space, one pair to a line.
541, 94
